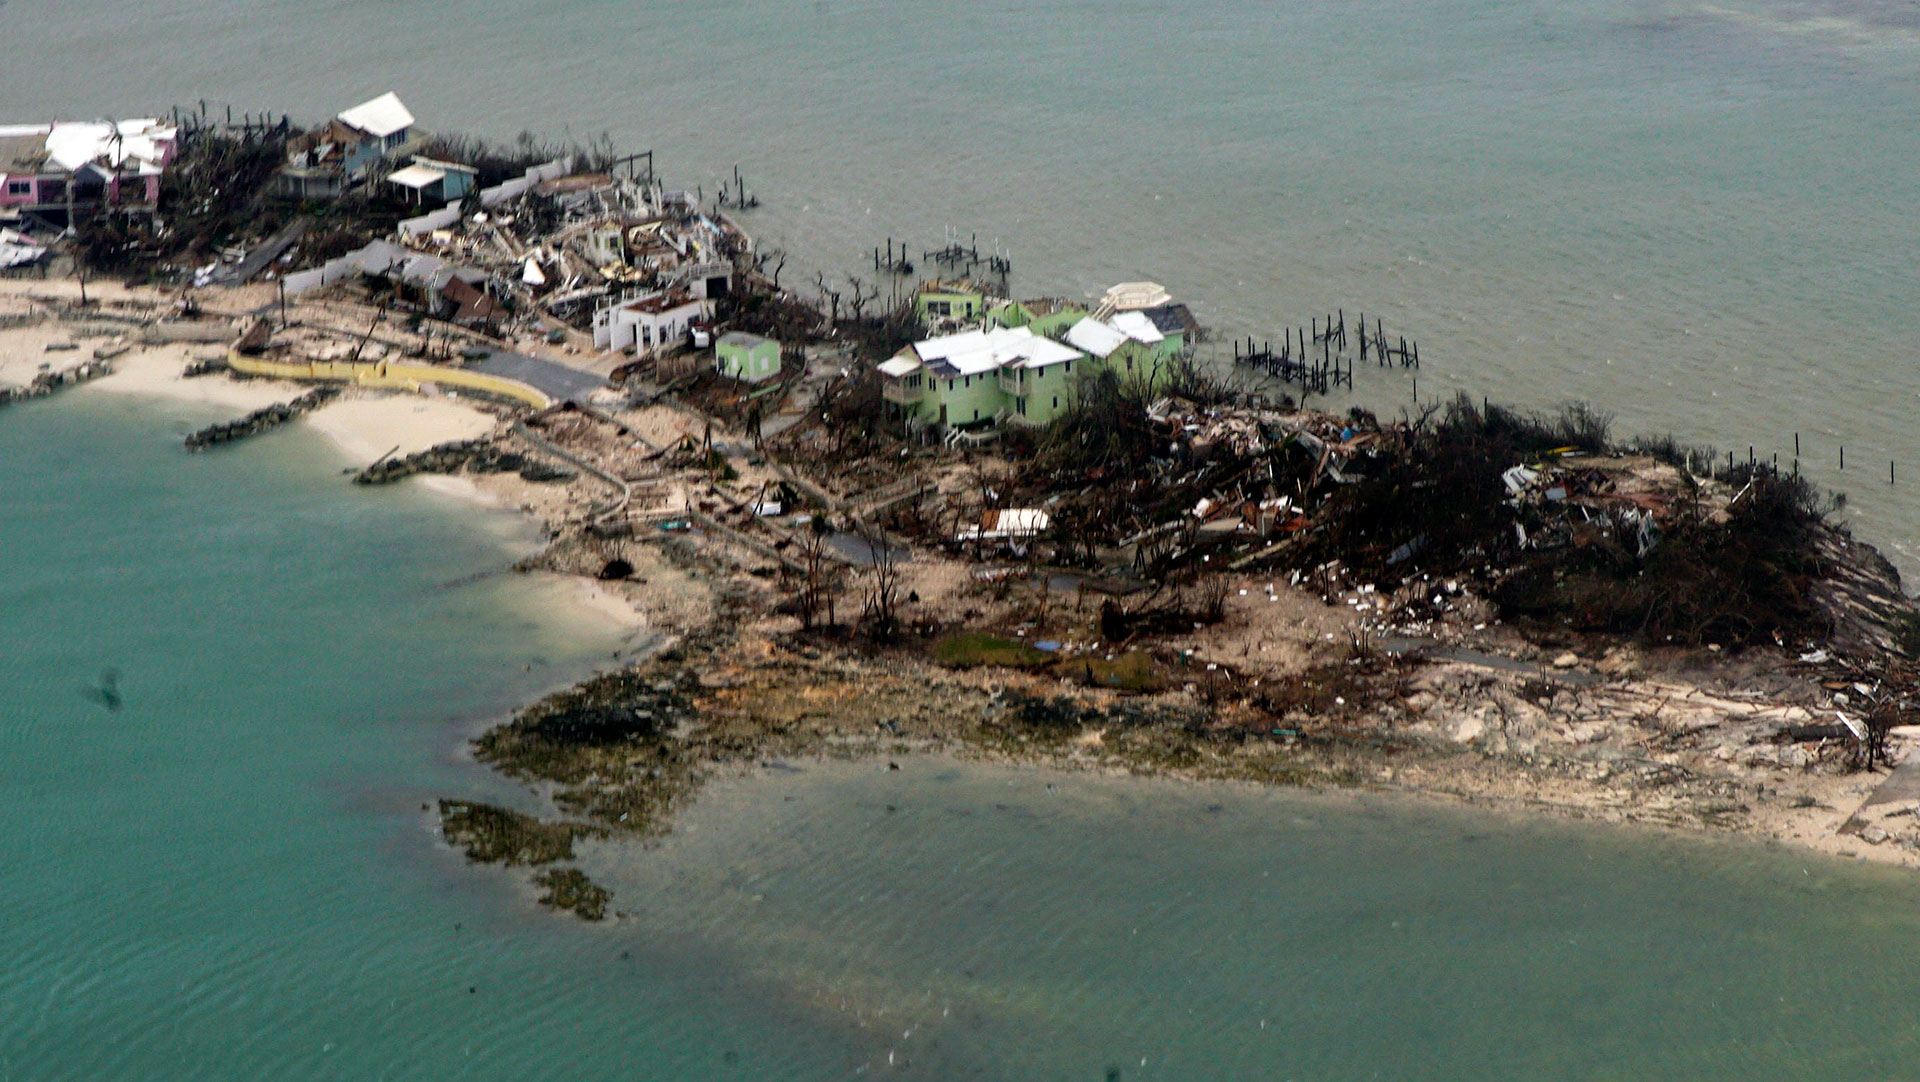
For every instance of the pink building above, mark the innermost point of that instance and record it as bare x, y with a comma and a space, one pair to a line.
45, 168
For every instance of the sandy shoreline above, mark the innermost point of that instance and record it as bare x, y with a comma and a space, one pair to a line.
361, 425
682, 585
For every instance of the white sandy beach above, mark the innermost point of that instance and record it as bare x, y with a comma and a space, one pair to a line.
367, 426
155, 370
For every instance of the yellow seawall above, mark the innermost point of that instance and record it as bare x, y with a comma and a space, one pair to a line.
398, 376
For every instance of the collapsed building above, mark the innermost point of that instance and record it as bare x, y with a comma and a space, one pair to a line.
50, 171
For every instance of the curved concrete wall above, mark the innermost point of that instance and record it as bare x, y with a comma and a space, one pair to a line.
393, 375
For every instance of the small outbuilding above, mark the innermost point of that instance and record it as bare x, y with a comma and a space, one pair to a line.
746, 357
430, 182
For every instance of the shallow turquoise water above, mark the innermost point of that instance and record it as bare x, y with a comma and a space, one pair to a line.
993, 923
232, 877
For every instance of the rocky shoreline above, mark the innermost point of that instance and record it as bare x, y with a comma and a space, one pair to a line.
1584, 726
1254, 675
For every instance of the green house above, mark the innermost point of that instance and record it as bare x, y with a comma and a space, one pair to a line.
746, 357
948, 298
1128, 345
1046, 317
980, 379
1176, 325
1027, 363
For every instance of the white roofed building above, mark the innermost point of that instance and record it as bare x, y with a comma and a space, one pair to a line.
45, 168
351, 148
981, 378
428, 182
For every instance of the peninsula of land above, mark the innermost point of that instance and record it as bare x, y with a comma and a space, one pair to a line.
886, 515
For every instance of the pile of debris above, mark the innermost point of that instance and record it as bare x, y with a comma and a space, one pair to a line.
1543, 515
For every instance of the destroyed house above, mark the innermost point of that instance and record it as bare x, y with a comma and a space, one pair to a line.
649, 323
438, 287
47, 168
341, 154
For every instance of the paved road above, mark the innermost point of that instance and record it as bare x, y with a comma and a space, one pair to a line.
556, 381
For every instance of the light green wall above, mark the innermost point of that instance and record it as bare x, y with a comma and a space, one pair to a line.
1016, 314
1009, 314
1048, 392
1055, 325
967, 399
962, 306
752, 365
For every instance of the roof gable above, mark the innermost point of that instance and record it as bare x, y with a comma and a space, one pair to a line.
1095, 337
380, 117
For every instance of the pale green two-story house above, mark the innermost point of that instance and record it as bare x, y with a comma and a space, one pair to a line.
1129, 344
954, 299
979, 379
1009, 375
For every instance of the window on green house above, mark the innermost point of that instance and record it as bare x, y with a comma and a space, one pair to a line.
1056, 401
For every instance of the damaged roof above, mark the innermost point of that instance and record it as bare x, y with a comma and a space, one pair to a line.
1095, 337
1172, 319
1137, 326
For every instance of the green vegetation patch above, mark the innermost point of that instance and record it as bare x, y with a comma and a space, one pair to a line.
1131, 671
495, 835
570, 889
973, 649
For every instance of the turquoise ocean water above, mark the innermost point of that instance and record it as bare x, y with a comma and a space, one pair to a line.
232, 876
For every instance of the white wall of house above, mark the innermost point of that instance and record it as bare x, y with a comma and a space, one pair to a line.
628, 327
